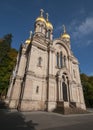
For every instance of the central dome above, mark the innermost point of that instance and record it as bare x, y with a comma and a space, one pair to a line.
45, 21
41, 19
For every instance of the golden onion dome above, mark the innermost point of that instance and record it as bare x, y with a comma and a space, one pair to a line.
41, 19
28, 41
65, 35
49, 25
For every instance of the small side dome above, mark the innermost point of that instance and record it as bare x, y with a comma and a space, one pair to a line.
28, 41
48, 24
65, 35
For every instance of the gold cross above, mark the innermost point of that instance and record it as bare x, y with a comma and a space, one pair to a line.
47, 15
64, 28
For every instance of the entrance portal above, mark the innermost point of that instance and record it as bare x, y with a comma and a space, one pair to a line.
64, 86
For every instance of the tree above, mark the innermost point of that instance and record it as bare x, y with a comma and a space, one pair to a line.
7, 62
8, 39
87, 83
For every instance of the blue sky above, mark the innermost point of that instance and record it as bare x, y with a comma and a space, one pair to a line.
18, 17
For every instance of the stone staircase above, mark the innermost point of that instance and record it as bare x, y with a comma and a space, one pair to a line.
72, 109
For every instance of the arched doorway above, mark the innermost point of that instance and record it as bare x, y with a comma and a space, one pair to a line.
63, 93
64, 88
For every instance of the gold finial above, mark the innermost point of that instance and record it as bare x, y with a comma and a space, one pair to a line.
41, 12
47, 15
64, 28
65, 35
30, 35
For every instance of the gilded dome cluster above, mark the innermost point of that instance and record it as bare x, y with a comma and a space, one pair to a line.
45, 26
46, 21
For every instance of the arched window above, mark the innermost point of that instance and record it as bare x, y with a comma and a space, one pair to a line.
42, 28
63, 77
39, 61
61, 59
57, 59
65, 96
37, 89
64, 61
48, 34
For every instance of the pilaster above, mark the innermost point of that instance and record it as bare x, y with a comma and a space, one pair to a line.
16, 93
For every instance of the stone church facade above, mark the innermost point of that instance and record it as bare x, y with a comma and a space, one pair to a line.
46, 75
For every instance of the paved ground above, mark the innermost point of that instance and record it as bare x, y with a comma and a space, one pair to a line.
14, 120
53, 121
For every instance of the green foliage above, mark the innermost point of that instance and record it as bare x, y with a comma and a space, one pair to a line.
87, 82
7, 62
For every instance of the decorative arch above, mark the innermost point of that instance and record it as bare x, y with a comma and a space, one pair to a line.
63, 71
63, 91
56, 42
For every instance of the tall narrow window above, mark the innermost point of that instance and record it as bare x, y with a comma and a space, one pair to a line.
65, 95
39, 27
39, 61
42, 28
57, 59
61, 59
48, 34
64, 61
37, 89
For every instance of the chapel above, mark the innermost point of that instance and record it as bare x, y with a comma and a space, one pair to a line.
46, 75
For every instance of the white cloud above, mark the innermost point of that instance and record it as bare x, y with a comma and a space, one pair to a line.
82, 29
86, 27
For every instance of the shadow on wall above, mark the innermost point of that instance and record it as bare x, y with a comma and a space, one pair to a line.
13, 120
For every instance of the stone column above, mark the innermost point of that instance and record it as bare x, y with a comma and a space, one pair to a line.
59, 95
50, 62
22, 66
